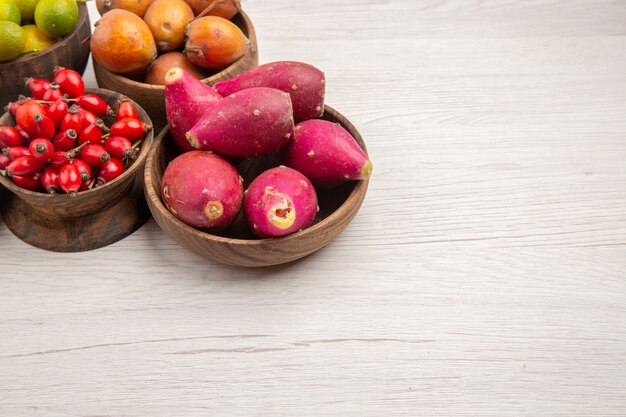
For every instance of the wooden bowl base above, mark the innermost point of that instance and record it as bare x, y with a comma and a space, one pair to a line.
77, 234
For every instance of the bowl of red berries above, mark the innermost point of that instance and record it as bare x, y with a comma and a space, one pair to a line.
70, 158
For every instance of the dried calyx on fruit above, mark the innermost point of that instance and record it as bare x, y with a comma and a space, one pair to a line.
60, 144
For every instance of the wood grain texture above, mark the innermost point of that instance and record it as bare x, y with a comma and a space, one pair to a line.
483, 276
72, 51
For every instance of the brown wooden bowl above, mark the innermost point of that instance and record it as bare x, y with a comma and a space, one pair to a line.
152, 97
72, 51
88, 220
237, 245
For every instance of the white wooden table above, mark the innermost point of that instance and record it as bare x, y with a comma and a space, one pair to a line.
485, 274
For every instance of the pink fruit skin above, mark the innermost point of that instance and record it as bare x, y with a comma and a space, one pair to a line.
203, 190
280, 201
305, 84
186, 100
250, 122
326, 154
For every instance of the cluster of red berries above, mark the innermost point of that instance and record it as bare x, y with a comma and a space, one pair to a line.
60, 142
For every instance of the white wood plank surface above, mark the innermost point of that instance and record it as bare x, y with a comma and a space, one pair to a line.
485, 274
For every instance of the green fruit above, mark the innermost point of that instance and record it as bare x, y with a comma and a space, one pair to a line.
27, 8
36, 40
10, 12
56, 17
12, 40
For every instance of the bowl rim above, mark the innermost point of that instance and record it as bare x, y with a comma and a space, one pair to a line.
131, 171
208, 80
358, 193
83, 18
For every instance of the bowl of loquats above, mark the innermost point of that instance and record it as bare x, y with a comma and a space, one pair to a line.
264, 174
73, 167
135, 43
37, 52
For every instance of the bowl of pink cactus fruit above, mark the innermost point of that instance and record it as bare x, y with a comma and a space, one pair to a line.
255, 170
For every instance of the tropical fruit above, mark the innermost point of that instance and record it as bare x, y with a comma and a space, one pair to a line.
214, 42
221, 8
122, 42
167, 61
167, 20
137, 7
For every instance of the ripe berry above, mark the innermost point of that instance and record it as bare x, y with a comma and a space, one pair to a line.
72, 120
57, 111
50, 180
41, 149
91, 133
16, 152
70, 82
59, 158
119, 147
94, 104
64, 141
26, 138
126, 109
83, 169
42, 127
30, 182
131, 128
14, 105
37, 87
52, 93
110, 170
88, 117
87, 185
9, 136
4, 160
94, 154
69, 178
24, 165
25, 114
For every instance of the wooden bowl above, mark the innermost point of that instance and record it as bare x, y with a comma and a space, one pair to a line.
152, 97
237, 245
88, 220
72, 51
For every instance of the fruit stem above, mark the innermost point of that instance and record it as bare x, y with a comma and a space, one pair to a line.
130, 155
30, 51
102, 126
71, 154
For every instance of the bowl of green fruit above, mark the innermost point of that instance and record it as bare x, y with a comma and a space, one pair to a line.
37, 36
